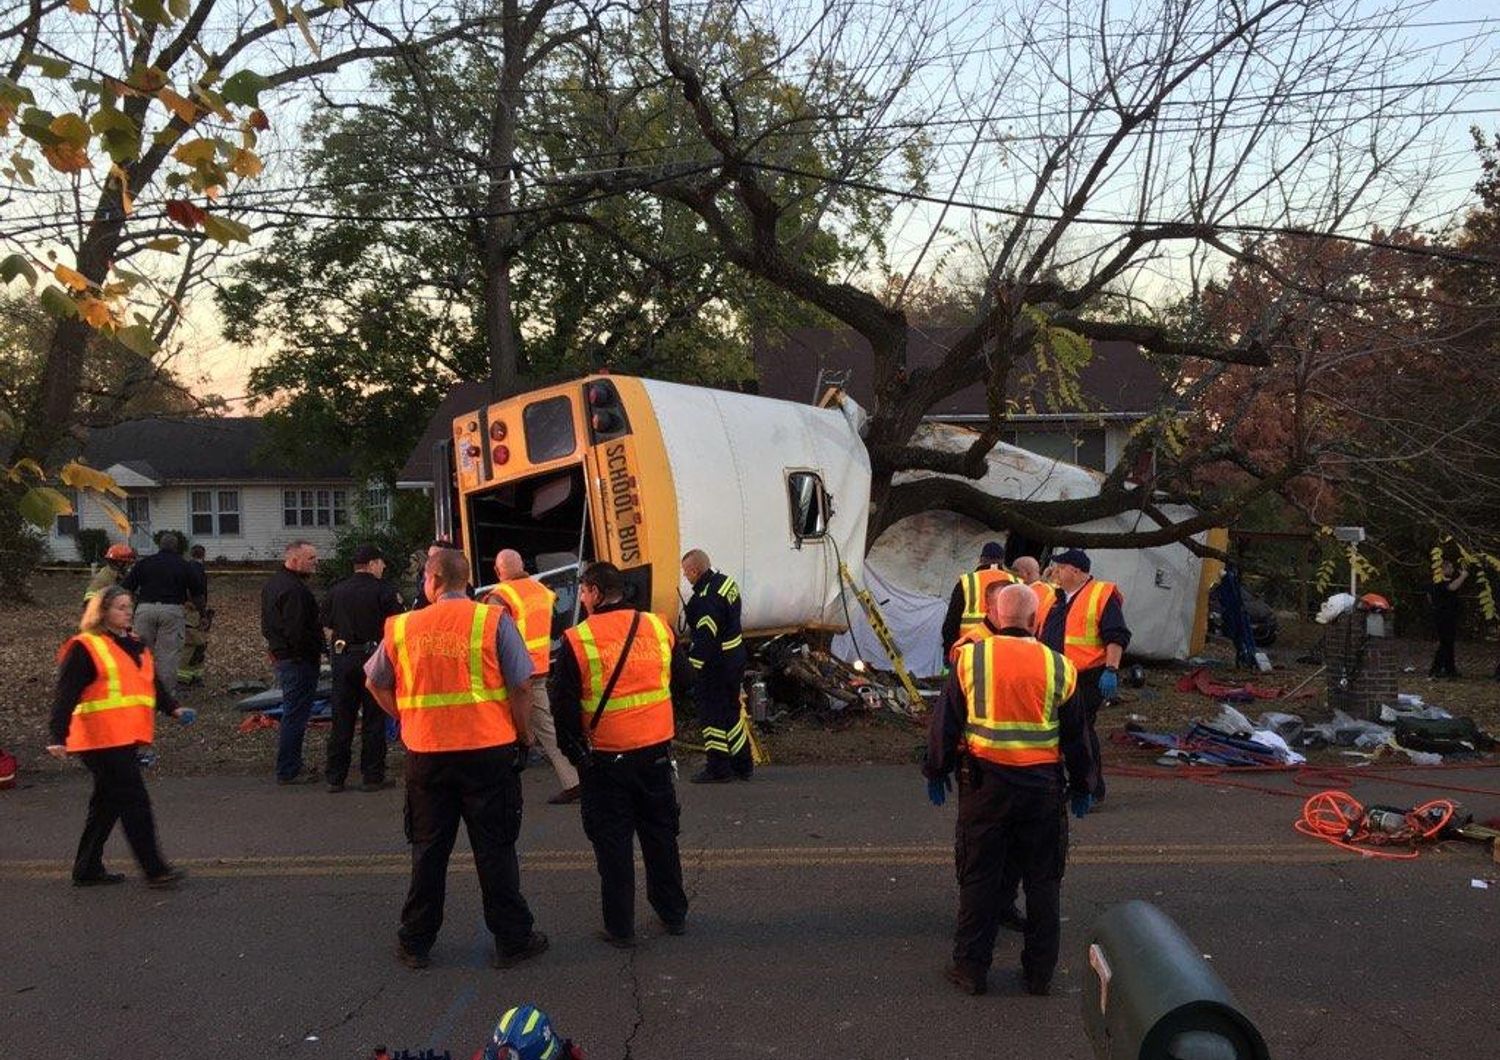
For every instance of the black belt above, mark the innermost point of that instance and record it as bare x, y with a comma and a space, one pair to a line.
656, 752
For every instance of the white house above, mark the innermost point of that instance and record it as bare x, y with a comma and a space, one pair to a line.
215, 480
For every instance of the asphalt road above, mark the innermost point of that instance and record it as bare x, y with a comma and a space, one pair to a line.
822, 905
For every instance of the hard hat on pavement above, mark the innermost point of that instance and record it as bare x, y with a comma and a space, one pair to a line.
1374, 602
119, 553
523, 1033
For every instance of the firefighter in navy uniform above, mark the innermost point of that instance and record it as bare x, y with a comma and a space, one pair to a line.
966, 602
1007, 722
612, 705
353, 618
1086, 622
717, 656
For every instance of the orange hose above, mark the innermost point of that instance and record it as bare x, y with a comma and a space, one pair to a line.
1338, 818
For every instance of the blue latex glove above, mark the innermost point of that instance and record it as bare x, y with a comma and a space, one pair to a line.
186, 715
937, 790
1081, 805
1109, 684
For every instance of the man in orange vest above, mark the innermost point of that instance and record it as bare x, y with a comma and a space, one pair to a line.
530, 604
966, 603
1029, 572
456, 674
612, 703
1007, 722
1087, 624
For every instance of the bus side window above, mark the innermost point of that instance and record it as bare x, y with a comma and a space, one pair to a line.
809, 505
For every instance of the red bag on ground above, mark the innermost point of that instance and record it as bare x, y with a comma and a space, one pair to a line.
8, 766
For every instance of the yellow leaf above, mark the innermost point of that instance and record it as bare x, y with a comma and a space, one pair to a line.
195, 153
81, 476
94, 311
71, 277
245, 163
120, 520
127, 201
28, 464
185, 109
80, 7
302, 24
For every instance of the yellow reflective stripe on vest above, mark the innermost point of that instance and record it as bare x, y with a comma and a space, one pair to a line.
518, 612
973, 606
477, 692
98, 647
1098, 595
596, 668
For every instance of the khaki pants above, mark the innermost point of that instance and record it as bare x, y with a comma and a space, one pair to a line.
162, 627
545, 731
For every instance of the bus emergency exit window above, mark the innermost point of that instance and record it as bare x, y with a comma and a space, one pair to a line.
548, 426
809, 504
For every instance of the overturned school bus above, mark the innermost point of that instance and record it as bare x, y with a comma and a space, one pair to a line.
637, 471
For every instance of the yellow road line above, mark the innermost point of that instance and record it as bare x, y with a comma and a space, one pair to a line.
733, 858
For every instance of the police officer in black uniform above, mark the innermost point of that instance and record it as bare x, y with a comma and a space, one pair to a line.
353, 617
717, 655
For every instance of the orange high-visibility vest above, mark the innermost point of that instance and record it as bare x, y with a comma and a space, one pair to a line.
450, 692
1082, 643
1045, 594
976, 583
530, 603
1013, 687
639, 711
972, 635
115, 710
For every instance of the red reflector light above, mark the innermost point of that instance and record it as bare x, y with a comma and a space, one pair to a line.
497, 431
500, 453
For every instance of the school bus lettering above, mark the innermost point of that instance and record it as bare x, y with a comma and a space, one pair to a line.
623, 504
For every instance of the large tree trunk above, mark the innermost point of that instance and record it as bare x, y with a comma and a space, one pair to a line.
49, 412
500, 330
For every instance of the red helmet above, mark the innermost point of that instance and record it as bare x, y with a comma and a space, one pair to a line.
119, 553
1375, 602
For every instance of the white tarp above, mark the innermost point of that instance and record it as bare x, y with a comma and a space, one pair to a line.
914, 564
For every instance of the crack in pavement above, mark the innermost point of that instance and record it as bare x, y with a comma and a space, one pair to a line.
632, 973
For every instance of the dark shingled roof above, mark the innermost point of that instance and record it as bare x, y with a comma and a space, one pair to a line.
1118, 379
228, 448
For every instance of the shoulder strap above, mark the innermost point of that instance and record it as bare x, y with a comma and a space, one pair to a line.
609, 687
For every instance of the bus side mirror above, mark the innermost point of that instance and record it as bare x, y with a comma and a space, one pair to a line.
1148, 994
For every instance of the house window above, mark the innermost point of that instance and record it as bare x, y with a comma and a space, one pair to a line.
215, 513
138, 511
67, 525
314, 507
809, 505
1084, 446
375, 504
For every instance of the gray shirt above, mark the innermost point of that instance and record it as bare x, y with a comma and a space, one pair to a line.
510, 649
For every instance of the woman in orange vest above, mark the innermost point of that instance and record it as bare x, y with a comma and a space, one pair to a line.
107, 689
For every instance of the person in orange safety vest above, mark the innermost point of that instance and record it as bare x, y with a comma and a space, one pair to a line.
107, 693
1008, 723
530, 603
612, 703
1086, 622
966, 602
457, 675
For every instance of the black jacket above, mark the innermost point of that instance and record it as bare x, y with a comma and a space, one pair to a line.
289, 618
166, 578
713, 620
75, 672
356, 608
